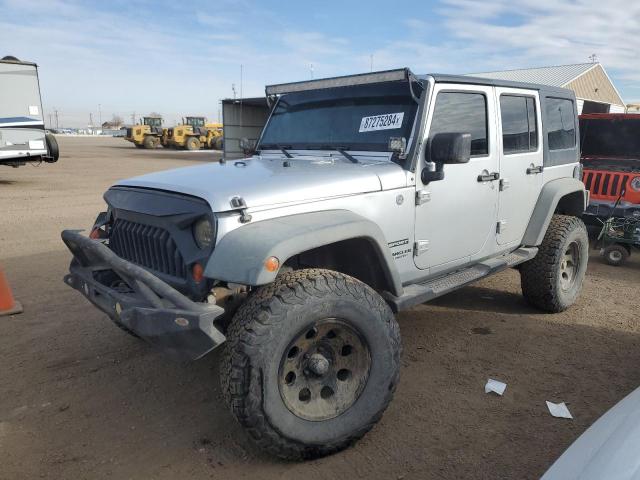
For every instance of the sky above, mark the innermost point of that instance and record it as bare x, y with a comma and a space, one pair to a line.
125, 57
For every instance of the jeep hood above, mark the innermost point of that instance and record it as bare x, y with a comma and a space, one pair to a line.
264, 182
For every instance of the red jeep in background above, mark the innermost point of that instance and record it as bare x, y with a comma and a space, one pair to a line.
610, 155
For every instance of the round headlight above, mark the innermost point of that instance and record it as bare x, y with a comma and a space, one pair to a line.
635, 184
203, 233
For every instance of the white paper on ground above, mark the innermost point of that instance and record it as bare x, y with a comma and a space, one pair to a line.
559, 410
36, 144
495, 386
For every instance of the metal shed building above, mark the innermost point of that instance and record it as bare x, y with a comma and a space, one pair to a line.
242, 118
594, 89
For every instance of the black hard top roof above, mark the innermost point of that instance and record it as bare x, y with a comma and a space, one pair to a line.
471, 80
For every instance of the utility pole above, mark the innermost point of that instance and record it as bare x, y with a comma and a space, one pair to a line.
233, 87
50, 122
241, 97
100, 115
57, 124
133, 118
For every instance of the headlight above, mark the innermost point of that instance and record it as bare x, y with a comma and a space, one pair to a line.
635, 184
203, 233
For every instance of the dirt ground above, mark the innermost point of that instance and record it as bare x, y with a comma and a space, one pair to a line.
81, 399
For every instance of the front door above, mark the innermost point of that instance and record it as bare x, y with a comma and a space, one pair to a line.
456, 216
521, 161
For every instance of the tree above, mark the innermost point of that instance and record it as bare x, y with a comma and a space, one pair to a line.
116, 120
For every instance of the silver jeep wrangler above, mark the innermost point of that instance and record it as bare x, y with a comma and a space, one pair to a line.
366, 195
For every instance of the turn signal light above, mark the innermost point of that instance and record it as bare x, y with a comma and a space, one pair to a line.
272, 264
197, 272
97, 234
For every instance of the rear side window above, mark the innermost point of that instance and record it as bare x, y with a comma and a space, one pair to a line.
461, 112
519, 126
560, 123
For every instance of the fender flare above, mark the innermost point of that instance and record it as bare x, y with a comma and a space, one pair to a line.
239, 256
550, 196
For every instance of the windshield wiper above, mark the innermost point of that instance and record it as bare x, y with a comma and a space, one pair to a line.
347, 155
342, 151
282, 148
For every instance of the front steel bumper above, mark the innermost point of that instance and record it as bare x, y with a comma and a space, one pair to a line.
139, 301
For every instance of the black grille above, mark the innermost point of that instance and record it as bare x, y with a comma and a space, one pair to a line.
148, 246
129, 132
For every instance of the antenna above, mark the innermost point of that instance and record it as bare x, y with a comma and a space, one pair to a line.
233, 87
594, 58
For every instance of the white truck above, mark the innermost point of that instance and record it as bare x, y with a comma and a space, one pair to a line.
22, 135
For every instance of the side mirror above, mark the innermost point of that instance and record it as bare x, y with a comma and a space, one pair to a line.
450, 148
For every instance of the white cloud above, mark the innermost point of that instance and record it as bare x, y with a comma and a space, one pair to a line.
179, 62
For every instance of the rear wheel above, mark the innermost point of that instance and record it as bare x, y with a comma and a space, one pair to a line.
553, 279
193, 143
52, 147
615, 255
311, 363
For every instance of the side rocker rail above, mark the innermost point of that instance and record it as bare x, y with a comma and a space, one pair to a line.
140, 302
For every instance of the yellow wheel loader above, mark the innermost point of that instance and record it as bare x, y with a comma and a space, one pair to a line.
195, 133
148, 134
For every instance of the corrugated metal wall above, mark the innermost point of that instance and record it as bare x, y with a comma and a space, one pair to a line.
242, 121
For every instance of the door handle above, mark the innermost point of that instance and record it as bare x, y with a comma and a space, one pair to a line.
534, 170
488, 177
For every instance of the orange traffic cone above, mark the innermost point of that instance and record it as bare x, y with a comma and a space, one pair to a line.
8, 305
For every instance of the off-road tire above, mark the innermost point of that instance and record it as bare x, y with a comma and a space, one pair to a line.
615, 254
540, 277
260, 334
192, 143
150, 142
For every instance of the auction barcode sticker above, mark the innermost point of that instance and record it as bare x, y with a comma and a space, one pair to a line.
387, 121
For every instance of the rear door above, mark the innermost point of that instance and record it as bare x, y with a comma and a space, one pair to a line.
521, 161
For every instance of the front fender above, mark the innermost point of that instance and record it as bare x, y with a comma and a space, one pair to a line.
239, 256
570, 191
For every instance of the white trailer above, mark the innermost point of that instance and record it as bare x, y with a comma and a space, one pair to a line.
22, 134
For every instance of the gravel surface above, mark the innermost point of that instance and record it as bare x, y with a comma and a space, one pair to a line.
81, 399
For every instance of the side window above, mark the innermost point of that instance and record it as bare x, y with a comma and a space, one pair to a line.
461, 112
560, 123
519, 127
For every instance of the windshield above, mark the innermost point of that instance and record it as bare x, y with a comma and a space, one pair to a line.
195, 121
152, 121
361, 117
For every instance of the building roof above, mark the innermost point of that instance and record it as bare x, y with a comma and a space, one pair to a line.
556, 76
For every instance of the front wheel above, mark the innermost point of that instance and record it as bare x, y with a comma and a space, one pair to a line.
150, 142
553, 279
193, 143
615, 255
311, 363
